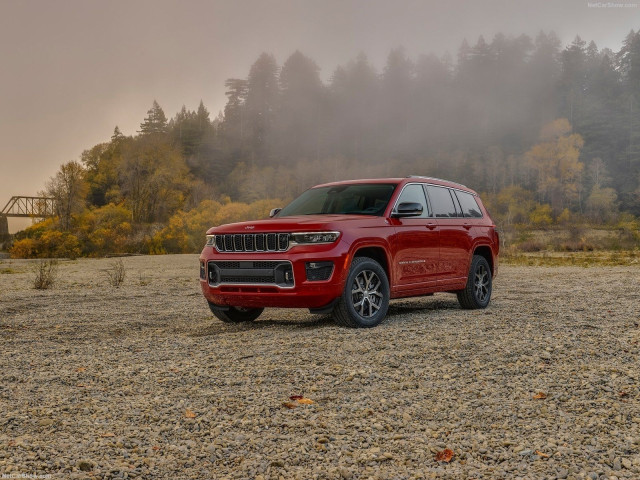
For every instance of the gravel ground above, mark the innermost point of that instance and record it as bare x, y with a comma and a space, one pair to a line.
142, 381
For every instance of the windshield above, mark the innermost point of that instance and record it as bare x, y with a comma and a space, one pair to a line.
356, 199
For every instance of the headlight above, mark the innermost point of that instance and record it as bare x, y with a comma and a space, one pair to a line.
303, 238
211, 240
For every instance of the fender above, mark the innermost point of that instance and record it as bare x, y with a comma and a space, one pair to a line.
359, 244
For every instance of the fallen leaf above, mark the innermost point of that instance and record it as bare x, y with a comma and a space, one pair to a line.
80, 369
190, 414
623, 394
81, 385
174, 370
540, 396
445, 455
540, 454
289, 405
156, 447
108, 434
296, 397
305, 401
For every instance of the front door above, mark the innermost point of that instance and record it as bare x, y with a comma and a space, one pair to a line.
416, 244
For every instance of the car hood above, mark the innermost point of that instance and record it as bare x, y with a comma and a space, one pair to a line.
297, 224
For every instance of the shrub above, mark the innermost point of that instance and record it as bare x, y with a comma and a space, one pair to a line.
45, 272
116, 273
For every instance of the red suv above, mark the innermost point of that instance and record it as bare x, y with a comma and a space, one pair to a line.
350, 247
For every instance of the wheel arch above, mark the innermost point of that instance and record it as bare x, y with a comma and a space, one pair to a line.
486, 252
375, 252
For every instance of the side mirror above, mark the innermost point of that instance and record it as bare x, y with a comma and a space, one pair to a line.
408, 209
274, 212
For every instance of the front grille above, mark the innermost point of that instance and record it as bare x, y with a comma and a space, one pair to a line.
238, 244
228, 243
249, 272
271, 241
252, 242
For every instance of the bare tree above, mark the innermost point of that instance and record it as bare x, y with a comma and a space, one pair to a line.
69, 188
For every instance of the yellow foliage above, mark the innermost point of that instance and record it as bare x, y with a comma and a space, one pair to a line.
557, 163
25, 248
564, 217
541, 215
185, 231
105, 230
552, 131
512, 205
51, 244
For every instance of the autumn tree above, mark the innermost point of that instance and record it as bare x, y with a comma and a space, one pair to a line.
153, 179
601, 204
556, 160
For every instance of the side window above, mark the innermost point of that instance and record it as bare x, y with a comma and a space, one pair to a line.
414, 193
441, 202
469, 205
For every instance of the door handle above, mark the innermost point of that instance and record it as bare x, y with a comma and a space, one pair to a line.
467, 226
431, 226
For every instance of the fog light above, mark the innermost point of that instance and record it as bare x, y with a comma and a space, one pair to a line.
318, 271
202, 271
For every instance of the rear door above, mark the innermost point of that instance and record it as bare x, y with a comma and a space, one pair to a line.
416, 243
455, 236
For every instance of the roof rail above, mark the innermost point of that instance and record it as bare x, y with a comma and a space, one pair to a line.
438, 179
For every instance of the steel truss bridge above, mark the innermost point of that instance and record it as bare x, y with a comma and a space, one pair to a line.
26, 207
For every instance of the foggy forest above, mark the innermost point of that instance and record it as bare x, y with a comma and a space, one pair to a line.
548, 135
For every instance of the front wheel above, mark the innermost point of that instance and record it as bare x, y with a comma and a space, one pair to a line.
477, 292
365, 299
236, 314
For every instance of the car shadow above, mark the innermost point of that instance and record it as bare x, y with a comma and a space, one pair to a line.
402, 307
305, 321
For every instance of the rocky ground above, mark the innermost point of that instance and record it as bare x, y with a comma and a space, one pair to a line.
141, 381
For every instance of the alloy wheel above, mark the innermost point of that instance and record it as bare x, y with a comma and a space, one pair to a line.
366, 293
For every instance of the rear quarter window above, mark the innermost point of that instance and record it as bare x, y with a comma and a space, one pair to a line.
470, 208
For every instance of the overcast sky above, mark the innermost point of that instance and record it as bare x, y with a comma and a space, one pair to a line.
73, 69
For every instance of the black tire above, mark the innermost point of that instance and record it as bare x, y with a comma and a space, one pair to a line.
236, 314
477, 292
365, 300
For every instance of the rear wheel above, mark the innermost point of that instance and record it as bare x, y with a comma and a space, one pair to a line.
236, 314
365, 299
477, 292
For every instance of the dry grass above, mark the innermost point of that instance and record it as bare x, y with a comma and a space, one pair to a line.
580, 259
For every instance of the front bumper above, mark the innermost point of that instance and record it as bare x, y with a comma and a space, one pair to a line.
304, 293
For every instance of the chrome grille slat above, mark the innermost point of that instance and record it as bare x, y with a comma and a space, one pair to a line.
252, 242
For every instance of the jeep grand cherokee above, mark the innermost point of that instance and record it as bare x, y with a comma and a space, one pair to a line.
349, 247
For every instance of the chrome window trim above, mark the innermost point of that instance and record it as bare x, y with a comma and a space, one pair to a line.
426, 194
